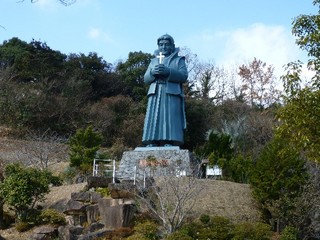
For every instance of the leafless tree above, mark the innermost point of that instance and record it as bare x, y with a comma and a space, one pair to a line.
43, 150
170, 197
64, 2
210, 81
258, 87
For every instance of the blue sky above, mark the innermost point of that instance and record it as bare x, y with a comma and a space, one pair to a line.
225, 31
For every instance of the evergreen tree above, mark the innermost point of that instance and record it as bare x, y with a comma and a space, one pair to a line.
277, 179
83, 147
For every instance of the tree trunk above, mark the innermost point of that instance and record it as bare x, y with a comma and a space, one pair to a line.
2, 224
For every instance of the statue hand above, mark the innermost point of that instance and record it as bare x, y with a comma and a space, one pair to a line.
160, 70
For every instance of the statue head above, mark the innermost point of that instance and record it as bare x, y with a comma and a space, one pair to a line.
166, 44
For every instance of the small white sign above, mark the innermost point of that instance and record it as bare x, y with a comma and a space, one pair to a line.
214, 171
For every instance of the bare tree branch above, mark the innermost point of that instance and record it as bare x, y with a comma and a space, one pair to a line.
46, 149
170, 197
64, 2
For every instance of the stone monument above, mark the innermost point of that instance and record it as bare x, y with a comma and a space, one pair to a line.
165, 120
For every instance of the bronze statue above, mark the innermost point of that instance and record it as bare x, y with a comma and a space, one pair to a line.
165, 119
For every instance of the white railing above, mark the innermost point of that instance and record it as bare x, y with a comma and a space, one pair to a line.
147, 172
104, 167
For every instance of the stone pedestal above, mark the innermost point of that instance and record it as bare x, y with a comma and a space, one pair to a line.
155, 161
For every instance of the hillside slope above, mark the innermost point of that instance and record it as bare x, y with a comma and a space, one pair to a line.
219, 198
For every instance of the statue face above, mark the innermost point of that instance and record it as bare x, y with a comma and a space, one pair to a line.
165, 47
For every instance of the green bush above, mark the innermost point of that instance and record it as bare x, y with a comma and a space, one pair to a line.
53, 217
55, 180
204, 218
147, 229
218, 228
252, 231
191, 229
178, 235
137, 236
32, 216
103, 191
68, 175
289, 233
23, 187
22, 226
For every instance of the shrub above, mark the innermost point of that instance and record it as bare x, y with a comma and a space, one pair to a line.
68, 175
55, 180
289, 233
22, 226
218, 228
252, 231
204, 218
191, 229
142, 217
147, 229
137, 236
53, 217
105, 192
32, 217
178, 235
23, 187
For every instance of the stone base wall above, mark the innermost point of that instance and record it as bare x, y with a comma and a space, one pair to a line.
155, 161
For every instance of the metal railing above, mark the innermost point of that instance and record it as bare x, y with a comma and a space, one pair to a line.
104, 167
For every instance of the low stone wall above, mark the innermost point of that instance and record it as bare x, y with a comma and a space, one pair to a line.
155, 161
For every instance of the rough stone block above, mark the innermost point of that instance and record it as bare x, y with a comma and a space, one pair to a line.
94, 182
92, 212
115, 213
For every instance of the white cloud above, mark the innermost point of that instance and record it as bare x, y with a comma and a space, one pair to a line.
98, 34
271, 44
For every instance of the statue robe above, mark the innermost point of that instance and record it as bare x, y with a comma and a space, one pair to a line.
165, 119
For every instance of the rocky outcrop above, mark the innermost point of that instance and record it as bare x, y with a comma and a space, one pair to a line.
89, 216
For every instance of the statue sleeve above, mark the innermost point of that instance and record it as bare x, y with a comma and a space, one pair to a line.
148, 78
178, 71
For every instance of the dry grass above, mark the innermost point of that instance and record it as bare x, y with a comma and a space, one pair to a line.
62, 192
227, 199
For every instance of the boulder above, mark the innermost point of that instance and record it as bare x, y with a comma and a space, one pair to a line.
86, 197
70, 232
45, 232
